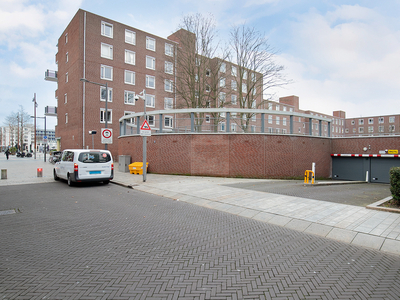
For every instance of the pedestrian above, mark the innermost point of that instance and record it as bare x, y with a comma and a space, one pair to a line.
7, 153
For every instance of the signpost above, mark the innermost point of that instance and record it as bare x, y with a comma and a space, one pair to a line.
145, 129
106, 135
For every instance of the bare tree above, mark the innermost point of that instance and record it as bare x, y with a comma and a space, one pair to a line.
257, 70
197, 65
17, 122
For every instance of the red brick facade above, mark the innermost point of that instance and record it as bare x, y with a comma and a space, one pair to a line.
246, 155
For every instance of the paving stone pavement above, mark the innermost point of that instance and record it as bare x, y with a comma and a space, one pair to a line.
108, 242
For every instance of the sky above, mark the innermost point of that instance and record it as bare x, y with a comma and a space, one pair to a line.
340, 55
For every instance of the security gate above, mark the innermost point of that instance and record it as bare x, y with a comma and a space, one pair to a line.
356, 166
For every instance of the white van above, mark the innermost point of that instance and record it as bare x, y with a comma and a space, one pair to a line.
80, 165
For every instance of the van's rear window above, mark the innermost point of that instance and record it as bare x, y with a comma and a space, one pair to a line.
94, 157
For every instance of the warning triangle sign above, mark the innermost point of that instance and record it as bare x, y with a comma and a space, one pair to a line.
145, 126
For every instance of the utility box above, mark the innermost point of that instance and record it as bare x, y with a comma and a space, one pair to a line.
123, 163
3, 173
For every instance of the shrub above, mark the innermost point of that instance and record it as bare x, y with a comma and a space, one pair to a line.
395, 183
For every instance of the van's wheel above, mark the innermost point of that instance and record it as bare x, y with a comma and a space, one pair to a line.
55, 175
106, 181
70, 183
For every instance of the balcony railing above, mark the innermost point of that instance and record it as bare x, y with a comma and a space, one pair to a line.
50, 75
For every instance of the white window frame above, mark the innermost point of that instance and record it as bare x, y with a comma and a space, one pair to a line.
110, 94
360, 121
233, 71
103, 68
150, 62
130, 57
102, 113
277, 120
66, 57
381, 128
168, 103
150, 100
169, 67
130, 37
370, 129
65, 98
170, 120
269, 119
222, 82
244, 75
150, 43
129, 95
103, 31
221, 99
234, 85
168, 85
371, 121
381, 120
234, 99
222, 126
233, 127
66, 118
131, 75
169, 49
360, 129
208, 118
131, 120
66, 38
66, 77
150, 79
106, 51
151, 120
392, 119
222, 68
244, 88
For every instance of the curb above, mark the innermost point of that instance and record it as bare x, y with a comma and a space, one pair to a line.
376, 206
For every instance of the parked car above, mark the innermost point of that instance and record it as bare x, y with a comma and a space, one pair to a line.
55, 156
80, 165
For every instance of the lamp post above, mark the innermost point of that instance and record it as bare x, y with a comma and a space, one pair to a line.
142, 95
45, 135
35, 105
106, 111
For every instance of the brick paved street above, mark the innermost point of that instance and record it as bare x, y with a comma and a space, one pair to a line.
110, 242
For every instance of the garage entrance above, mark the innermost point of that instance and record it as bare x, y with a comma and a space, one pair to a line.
356, 166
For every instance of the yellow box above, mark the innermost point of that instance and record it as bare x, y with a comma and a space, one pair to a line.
137, 168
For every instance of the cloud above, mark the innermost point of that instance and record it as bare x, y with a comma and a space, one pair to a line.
346, 56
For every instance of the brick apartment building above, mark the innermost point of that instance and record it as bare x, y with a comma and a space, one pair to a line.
130, 61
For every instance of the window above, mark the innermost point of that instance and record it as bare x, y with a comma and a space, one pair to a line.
103, 115
169, 49
233, 127
253, 128
130, 57
234, 71
150, 82
360, 121
234, 99
221, 99
150, 63
277, 120
66, 57
129, 77
151, 120
66, 38
130, 98
66, 77
131, 120
168, 121
150, 100
370, 121
269, 106
245, 75
284, 108
65, 99
103, 94
284, 122
370, 129
277, 107
391, 119
253, 77
391, 128
222, 68
130, 37
208, 88
381, 120
381, 128
168, 103
208, 72
106, 29
66, 118
208, 119
234, 85
106, 72
360, 129
222, 126
244, 88
169, 67
106, 51
222, 82
254, 104
353, 122
269, 119
150, 44
168, 85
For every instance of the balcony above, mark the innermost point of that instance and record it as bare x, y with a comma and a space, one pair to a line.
50, 76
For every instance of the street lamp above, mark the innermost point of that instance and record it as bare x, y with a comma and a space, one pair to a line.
142, 95
92, 132
44, 137
106, 112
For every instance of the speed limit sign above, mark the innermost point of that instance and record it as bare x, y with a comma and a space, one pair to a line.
106, 136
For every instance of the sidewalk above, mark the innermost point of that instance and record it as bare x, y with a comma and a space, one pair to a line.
346, 223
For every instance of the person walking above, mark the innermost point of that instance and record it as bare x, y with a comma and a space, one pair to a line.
7, 153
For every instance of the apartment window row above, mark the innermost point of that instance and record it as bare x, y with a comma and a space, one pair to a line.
107, 30
234, 72
381, 120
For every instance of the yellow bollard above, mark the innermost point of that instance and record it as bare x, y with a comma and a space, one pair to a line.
307, 176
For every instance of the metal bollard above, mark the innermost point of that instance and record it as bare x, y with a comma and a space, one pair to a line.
39, 172
3, 173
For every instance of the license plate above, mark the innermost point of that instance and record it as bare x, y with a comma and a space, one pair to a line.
95, 172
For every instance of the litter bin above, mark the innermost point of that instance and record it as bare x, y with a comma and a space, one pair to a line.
137, 168
123, 163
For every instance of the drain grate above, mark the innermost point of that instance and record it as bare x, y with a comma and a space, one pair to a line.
7, 212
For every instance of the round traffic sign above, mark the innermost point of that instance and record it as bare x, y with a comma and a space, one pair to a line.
107, 133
